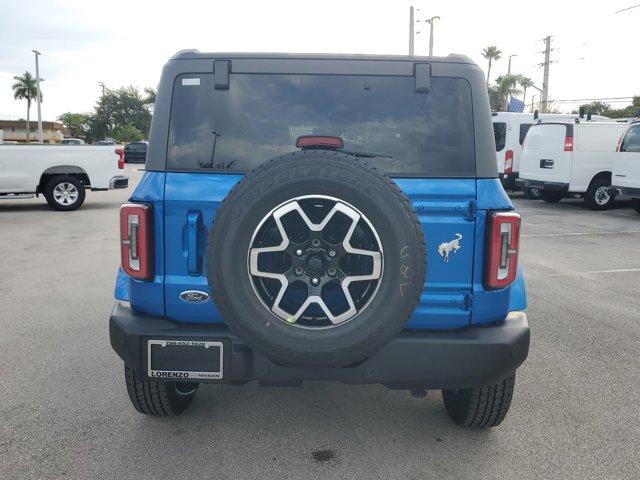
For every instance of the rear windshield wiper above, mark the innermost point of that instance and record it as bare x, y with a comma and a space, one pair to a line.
363, 153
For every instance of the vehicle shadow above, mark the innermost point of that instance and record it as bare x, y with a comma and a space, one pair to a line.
373, 431
21, 206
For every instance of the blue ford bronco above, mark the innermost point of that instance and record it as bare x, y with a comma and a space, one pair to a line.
321, 217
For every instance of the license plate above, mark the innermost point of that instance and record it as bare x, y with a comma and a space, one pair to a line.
185, 359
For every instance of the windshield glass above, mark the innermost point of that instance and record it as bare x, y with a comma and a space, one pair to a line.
262, 115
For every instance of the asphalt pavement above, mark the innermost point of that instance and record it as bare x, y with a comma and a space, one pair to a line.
64, 410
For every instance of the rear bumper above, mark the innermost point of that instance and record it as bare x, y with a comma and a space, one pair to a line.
547, 186
628, 191
118, 182
469, 357
510, 181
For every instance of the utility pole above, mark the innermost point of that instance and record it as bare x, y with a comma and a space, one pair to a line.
509, 68
545, 76
38, 97
411, 31
430, 22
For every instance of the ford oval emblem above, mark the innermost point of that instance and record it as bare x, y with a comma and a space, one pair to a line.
194, 296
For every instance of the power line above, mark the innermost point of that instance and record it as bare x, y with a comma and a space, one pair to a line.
628, 8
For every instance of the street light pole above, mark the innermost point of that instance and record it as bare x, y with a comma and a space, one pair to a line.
430, 21
509, 68
38, 99
411, 35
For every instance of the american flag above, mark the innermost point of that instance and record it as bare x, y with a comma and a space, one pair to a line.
515, 105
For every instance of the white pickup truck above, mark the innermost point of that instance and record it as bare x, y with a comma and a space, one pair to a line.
59, 172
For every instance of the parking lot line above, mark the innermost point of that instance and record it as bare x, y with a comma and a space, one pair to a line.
573, 234
617, 270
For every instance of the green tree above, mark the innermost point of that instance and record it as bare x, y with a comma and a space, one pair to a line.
505, 86
150, 99
525, 83
491, 53
597, 108
75, 123
25, 89
126, 133
116, 108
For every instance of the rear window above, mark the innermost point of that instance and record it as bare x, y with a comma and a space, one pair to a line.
262, 115
137, 146
524, 128
500, 134
545, 137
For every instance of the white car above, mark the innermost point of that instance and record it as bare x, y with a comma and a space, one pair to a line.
626, 166
510, 130
571, 158
60, 172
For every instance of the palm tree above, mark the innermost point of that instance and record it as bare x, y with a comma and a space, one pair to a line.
525, 82
25, 89
491, 53
506, 85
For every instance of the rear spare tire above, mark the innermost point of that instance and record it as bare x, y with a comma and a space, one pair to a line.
316, 259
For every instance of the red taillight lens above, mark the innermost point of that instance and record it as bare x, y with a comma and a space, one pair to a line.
306, 141
135, 240
503, 241
120, 153
508, 161
568, 144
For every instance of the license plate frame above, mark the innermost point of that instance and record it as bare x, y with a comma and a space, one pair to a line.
185, 375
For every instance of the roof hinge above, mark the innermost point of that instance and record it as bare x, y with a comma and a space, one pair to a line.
221, 70
422, 74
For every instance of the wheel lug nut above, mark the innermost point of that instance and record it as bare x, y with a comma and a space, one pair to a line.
315, 280
332, 253
298, 271
331, 271
299, 252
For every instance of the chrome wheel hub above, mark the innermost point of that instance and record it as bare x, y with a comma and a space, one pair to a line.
65, 193
315, 262
602, 195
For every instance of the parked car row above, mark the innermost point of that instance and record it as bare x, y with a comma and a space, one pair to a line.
553, 156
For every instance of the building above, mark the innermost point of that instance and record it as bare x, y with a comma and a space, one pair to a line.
16, 130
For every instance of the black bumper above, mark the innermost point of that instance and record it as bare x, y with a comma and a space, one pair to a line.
469, 357
548, 186
628, 191
511, 181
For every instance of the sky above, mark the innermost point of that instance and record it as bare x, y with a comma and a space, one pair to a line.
121, 43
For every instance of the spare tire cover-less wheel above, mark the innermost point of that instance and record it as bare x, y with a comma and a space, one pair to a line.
316, 259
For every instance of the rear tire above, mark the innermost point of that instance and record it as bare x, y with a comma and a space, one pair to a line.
162, 399
481, 407
635, 203
64, 193
532, 193
598, 196
551, 197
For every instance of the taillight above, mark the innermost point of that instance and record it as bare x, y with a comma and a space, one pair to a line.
120, 153
503, 239
135, 240
568, 144
508, 161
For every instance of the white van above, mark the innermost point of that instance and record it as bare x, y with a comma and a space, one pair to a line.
626, 165
562, 158
510, 129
